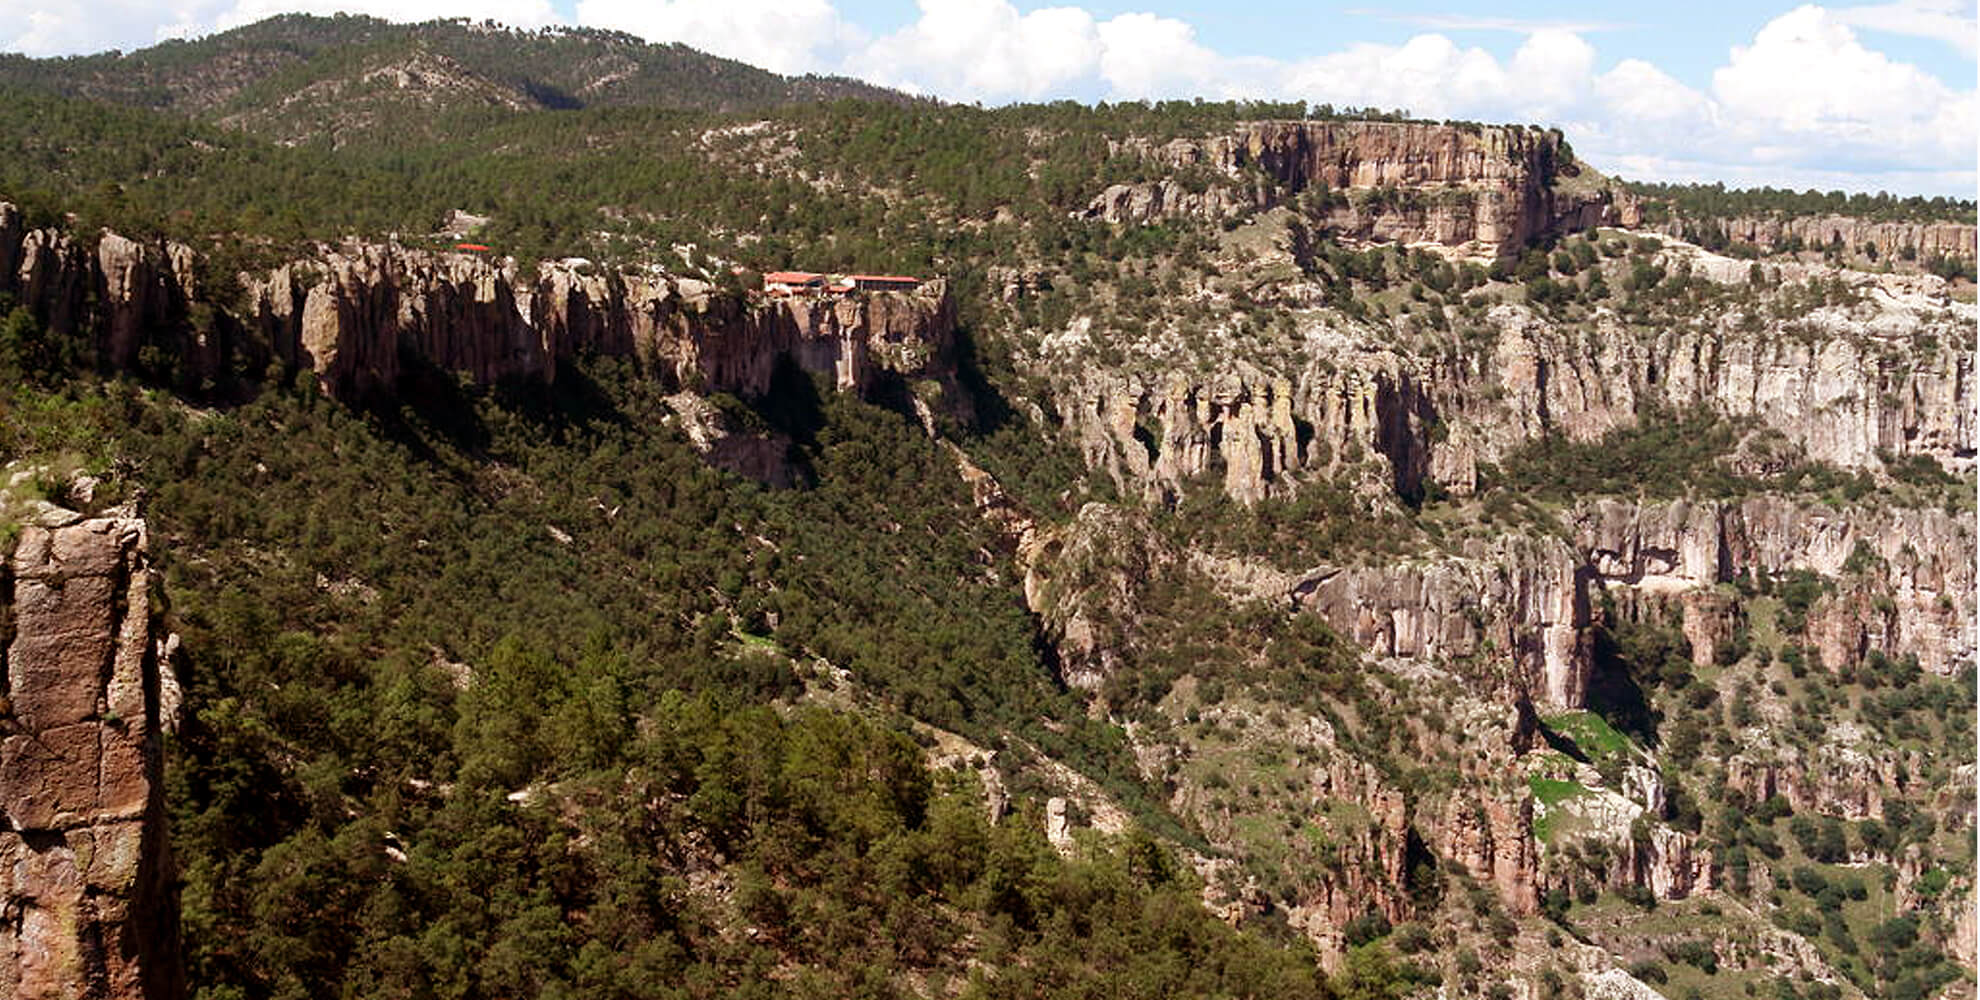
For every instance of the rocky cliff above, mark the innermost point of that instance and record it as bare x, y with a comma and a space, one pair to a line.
1892, 239
1499, 187
1520, 599
1888, 376
356, 315
1907, 575
87, 904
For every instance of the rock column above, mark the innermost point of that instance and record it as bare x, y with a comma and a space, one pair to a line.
87, 908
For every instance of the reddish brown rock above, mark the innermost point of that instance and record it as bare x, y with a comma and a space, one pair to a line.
87, 908
1500, 186
1710, 620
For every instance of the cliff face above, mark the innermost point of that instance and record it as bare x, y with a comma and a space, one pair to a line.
1891, 376
354, 314
1818, 232
1907, 578
1522, 599
85, 877
1494, 186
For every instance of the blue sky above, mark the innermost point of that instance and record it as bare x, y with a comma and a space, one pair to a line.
1688, 38
1859, 96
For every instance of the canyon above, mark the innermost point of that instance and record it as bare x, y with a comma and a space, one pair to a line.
1486, 642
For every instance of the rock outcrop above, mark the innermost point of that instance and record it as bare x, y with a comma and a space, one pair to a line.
1908, 574
1817, 232
1500, 187
1524, 599
358, 314
87, 904
1493, 840
1889, 378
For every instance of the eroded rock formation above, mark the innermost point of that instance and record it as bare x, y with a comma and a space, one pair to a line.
87, 906
1816, 232
1889, 378
1497, 186
1524, 599
355, 315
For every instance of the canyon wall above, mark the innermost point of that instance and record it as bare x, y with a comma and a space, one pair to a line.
1500, 187
1853, 386
356, 315
87, 903
1818, 232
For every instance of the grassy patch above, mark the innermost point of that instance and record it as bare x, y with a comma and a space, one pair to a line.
1553, 792
1591, 733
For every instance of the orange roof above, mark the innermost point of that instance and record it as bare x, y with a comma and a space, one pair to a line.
470, 246
793, 277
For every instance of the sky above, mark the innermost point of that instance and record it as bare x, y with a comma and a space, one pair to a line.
1861, 97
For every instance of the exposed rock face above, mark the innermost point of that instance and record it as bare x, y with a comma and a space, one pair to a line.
1709, 620
1371, 861
1849, 384
89, 908
1152, 200
1493, 839
355, 313
1525, 598
1817, 232
764, 457
1670, 865
1084, 579
1849, 775
1891, 377
1913, 596
467, 314
1494, 186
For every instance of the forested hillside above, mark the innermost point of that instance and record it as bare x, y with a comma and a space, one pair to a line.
1275, 551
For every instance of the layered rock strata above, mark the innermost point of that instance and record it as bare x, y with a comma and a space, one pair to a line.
1852, 234
1525, 600
87, 907
1890, 378
357, 315
1907, 576
1491, 185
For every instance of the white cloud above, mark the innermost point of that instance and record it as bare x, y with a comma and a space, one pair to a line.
47, 29
977, 49
1640, 93
1948, 21
1553, 70
79, 26
1806, 89
1469, 22
1142, 55
784, 36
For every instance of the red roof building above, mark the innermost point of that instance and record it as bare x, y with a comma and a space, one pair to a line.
785, 281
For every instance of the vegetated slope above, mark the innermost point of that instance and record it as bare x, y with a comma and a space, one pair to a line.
253, 66
519, 696
1551, 615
